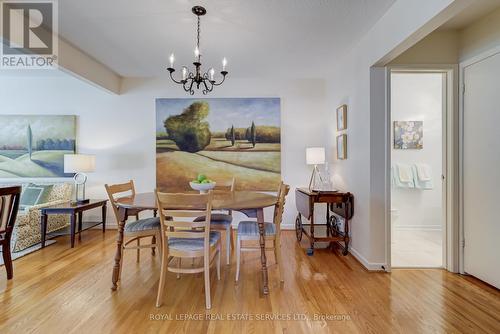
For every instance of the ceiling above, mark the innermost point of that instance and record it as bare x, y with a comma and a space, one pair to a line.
260, 38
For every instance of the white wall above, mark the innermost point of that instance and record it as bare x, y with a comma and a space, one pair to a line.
480, 36
120, 129
418, 97
352, 82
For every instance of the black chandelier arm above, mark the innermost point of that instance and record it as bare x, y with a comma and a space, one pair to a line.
172, 70
224, 73
207, 89
190, 88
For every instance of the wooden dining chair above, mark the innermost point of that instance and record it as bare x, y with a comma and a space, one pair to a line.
222, 221
9, 204
134, 230
182, 238
249, 231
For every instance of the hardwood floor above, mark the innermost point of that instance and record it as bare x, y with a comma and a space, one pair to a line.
64, 290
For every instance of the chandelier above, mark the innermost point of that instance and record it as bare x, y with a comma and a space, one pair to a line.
197, 79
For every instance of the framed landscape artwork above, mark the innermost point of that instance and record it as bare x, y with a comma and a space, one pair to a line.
221, 138
342, 147
34, 146
342, 117
408, 135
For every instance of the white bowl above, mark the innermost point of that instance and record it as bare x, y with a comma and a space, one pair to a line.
202, 187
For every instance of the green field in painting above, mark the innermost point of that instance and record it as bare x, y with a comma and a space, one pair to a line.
254, 168
41, 164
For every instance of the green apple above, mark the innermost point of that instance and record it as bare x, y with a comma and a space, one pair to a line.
201, 177
205, 181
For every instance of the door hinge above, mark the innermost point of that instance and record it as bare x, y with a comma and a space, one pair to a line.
463, 88
463, 243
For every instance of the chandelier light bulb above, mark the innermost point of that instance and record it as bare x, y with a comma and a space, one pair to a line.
212, 72
224, 63
184, 72
196, 52
172, 59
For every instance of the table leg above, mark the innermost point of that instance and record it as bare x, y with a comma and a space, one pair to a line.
119, 249
310, 251
80, 225
104, 218
72, 229
263, 260
43, 227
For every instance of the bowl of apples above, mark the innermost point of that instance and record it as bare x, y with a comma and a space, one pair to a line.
202, 184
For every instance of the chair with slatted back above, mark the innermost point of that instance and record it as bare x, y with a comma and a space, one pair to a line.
138, 229
183, 238
9, 204
222, 221
249, 231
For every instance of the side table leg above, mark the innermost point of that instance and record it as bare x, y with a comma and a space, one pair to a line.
72, 229
263, 260
310, 251
43, 227
80, 225
104, 218
118, 255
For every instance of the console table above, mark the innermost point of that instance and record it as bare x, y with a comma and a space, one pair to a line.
339, 203
74, 210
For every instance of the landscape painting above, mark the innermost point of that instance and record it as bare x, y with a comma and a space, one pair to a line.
220, 138
34, 146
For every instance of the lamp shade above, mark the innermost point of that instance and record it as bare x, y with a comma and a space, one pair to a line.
315, 155
79, 163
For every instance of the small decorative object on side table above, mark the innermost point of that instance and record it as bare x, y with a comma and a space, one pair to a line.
74, 210
79, 164
339, 203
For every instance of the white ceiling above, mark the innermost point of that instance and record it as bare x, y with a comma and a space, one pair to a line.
260, 38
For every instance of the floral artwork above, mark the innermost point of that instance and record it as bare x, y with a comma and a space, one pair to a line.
408, 135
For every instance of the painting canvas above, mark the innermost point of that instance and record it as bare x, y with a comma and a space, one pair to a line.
342, 117
34, 146
408, 135
342, 147
220, 138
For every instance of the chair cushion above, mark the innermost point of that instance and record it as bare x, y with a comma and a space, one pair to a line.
217, 219
143, 225
192, 244
252, 228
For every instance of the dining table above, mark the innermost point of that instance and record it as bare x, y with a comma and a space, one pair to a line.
250, 203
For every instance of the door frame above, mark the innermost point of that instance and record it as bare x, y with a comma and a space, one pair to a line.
450, 160
462, 66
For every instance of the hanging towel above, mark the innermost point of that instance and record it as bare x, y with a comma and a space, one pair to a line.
403, 176
404, 173
424, 172
421, 184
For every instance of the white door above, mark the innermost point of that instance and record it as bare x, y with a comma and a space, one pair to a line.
481, 170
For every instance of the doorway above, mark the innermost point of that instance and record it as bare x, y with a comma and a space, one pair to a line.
418, 105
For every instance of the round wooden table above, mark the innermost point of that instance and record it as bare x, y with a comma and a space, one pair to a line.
250, 203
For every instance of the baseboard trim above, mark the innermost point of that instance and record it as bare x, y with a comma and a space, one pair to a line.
370, 266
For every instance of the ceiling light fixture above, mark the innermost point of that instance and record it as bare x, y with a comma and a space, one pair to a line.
204, 81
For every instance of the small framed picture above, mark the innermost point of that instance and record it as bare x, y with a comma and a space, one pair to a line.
342, 117
342, 147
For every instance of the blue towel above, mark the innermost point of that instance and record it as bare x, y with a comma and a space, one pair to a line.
396, 181
426, 185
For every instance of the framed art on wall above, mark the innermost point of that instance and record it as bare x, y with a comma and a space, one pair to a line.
220, 138
342, 117
342, 147
408, 135
35, 145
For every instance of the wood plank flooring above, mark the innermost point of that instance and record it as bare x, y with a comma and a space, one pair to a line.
64, 290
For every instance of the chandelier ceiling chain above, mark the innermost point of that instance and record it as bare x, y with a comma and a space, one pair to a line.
191, 80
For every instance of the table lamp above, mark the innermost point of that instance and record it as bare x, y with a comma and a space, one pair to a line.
79, 164
315, 156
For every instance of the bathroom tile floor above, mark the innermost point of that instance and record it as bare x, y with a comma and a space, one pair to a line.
417, 249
